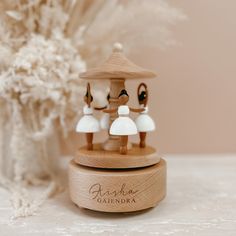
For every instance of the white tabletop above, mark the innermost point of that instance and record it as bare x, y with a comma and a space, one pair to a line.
201, 200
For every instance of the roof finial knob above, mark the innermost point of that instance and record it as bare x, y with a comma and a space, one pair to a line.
117, 47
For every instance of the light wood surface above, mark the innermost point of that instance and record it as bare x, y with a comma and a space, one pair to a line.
117, 66
117, 190
136, 157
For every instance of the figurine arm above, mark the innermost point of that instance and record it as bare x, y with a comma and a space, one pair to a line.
110, 110
137, 109
100, 108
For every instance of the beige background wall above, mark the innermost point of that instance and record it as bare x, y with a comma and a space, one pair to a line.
194, 98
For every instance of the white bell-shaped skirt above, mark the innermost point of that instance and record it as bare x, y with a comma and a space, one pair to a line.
123, 125
88, 124
104, 121
145, 123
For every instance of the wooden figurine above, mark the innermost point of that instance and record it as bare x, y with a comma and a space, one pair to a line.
123, 125
115, 182
88, 124
143, 122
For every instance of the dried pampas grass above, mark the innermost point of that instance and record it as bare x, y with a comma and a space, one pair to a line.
44, 45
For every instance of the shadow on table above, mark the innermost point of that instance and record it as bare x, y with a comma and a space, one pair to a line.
111, 215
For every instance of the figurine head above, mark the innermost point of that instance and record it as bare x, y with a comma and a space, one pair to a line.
142, 95
88, 98
123, 97
108, 97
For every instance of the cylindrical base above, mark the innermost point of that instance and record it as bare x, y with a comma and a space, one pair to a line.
117, 190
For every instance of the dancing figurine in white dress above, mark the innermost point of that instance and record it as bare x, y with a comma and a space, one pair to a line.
143, 122
88, 123
123, 125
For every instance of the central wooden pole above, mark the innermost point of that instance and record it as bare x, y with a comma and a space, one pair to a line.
113, 142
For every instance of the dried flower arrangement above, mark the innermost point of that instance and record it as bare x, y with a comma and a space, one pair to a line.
44, 45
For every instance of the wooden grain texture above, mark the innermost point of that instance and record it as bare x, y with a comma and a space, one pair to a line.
136, 157
117, 66
117, 190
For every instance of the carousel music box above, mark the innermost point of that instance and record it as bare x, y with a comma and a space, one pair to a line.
116, 175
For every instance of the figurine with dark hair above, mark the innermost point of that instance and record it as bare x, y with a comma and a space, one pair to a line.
88, 123
143, 122
123, 126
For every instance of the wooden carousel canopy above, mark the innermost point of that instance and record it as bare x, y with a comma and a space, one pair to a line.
117, 66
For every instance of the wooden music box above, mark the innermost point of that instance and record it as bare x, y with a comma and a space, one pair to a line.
117, 176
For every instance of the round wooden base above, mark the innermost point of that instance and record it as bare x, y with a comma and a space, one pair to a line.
117, 190
136, 157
